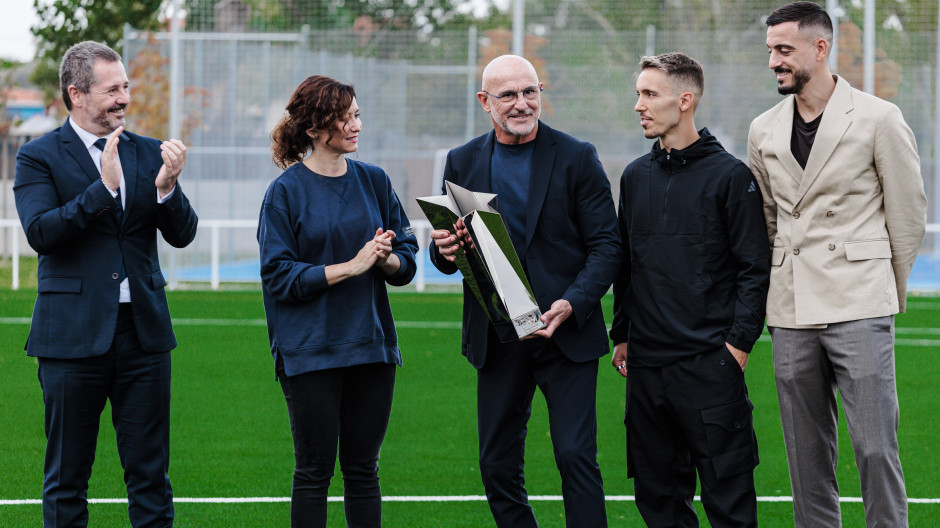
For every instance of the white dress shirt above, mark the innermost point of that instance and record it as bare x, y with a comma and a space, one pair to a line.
89, 140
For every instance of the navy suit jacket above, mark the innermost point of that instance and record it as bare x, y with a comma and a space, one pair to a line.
67, 214
572, 246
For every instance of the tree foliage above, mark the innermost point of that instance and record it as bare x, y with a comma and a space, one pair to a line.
63, 23
6, 83
290, 15
150, 83
688, 15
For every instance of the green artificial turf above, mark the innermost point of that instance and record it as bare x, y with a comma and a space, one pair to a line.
231, 438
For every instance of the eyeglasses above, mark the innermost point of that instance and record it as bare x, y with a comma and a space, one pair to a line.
531, 94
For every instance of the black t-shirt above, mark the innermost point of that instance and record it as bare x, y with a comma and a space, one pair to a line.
802, 137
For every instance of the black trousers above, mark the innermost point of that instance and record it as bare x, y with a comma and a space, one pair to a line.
686, 417
350, 407
505, 387
75, 392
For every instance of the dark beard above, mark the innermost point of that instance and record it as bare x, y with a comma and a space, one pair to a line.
800, 79
104, 120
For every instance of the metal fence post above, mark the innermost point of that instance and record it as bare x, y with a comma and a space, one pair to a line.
214, 256
15, 256
936, 138
471, 81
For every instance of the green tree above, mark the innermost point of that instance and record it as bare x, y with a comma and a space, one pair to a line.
63, 23
289, 15
6, 83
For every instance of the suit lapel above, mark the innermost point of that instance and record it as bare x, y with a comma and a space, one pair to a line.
479, 178
543, 161
76, 148
783, 131
127, 150
834, 123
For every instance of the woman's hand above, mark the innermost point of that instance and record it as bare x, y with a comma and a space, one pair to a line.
364, 259
386, 261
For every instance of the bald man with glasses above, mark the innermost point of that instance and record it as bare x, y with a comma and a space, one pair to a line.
555, 199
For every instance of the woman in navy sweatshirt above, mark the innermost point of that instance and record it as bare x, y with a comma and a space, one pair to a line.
332, 233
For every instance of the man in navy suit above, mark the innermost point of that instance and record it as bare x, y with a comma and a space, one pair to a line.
555, 199
91, 198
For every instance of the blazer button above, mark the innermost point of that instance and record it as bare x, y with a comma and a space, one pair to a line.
115, 276
796, 251
796, 215
830, 213
832, 247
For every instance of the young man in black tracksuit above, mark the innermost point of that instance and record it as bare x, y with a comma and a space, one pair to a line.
689, 304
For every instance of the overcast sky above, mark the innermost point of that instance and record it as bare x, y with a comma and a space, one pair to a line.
16, 42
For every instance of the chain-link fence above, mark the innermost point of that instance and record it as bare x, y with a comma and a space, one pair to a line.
239, 63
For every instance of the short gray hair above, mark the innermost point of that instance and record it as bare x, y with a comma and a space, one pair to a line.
78, 67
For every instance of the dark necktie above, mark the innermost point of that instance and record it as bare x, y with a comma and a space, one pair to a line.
118, 209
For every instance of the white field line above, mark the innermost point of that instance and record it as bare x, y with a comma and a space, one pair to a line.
456, 325
441, 498
920, 305
400, 324
413, 498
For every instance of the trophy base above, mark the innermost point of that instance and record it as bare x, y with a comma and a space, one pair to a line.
528, 323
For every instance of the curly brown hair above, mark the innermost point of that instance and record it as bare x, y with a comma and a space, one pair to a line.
316, 105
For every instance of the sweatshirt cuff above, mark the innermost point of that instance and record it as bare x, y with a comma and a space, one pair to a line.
311, 280
619, 333
405, 271
738, 342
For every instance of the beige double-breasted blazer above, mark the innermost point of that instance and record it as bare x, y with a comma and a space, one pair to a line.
845, 231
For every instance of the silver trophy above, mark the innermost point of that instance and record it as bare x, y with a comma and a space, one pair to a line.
490, 265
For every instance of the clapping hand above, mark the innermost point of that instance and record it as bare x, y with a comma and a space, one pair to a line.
173, 153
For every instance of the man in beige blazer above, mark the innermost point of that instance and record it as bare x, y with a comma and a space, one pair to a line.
846, 210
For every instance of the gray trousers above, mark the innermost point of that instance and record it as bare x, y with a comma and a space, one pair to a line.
857, 358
